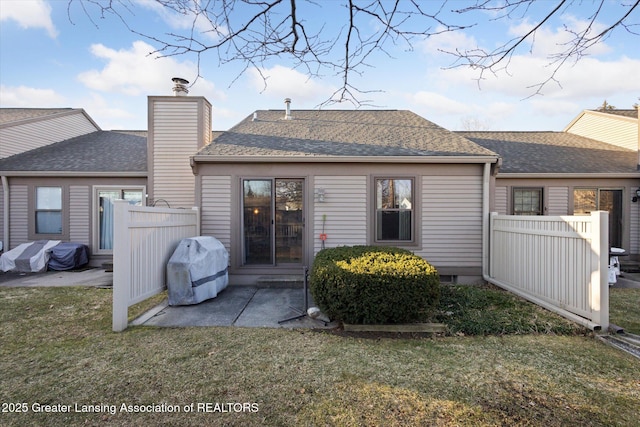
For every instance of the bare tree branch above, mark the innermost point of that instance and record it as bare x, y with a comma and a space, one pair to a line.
499, 59
256, 33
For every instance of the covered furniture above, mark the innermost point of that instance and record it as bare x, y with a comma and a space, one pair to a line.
29, 257
68, 255
197, 270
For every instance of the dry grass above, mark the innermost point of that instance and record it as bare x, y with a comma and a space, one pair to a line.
624, 309
57, 348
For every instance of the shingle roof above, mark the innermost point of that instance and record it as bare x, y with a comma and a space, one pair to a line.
11, 115
355, 133
625, 113
101, 151
555, 153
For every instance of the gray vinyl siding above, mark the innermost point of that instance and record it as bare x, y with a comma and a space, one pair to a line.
79, 214
2, 237
206, 123
609, 128
175, 139
216, 208
451, 221
448, 210
345, 207
38, 133
558, 201
501, 200
19, 215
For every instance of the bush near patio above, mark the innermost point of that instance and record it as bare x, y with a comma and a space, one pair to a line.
374, 285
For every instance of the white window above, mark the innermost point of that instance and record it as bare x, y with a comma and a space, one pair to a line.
49, 210
394, 210
527, 201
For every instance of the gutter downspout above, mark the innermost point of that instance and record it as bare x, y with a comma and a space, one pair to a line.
486, 260
5, 216
486, 182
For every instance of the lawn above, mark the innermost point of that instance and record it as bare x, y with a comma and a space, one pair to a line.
58, 350
624, 309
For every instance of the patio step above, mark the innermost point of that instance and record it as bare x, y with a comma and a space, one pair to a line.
282, 281
630, 266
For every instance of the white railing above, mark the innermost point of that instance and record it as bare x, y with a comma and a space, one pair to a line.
559, 262
144, 239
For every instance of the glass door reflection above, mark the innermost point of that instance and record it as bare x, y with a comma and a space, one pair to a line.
273, 221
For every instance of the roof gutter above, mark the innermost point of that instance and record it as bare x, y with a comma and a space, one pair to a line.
551, 175
5, 217
344, 159
63, 174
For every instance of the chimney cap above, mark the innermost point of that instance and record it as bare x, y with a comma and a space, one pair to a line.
180, 86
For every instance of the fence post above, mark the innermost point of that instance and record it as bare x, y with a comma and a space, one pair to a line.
599, 292
197, 211
490, 245
121, 265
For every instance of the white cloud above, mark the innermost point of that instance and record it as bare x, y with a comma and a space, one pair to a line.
29, 14
138, 72
106, 112
435, 102
588, 77
448, 41
188, 18
553, 107
551, 41
282, 82
29, 97
532, 63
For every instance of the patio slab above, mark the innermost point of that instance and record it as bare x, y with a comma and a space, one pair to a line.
82, 277
242, 306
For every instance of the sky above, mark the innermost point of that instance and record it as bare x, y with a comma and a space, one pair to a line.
56, 55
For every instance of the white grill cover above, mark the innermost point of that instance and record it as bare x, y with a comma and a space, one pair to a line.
197, 270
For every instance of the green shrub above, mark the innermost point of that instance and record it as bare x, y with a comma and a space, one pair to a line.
373, 285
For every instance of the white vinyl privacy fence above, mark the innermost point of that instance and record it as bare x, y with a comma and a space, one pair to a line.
144, 240
559, 262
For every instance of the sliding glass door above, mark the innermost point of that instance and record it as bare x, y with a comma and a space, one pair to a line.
257, 212
273, 221
105, 197
586, 200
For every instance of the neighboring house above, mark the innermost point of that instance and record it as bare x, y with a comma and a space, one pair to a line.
63, 190
281, 185
592, 165
23, 129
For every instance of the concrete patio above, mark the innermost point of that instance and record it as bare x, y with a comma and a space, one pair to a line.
242, 306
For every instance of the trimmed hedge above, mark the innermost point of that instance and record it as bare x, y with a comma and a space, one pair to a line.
373, 285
